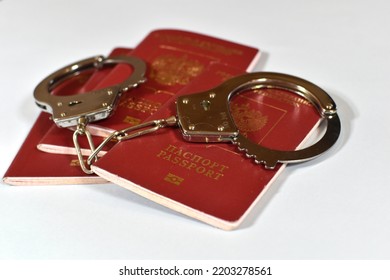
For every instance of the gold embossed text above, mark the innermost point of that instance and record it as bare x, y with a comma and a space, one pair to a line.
193, 162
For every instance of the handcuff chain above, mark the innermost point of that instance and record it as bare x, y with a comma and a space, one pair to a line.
82, 130
120, 135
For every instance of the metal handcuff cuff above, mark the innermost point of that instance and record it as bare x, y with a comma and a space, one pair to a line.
202, 117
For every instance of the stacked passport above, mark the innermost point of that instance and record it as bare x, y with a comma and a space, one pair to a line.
211, 182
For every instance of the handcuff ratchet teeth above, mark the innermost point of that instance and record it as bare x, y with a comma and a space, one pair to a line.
201, 117
205, 116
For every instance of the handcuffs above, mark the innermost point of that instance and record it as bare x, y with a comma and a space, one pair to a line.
201, 117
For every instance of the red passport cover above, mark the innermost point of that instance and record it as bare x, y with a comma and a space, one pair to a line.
214, 183
33, 167
174, 58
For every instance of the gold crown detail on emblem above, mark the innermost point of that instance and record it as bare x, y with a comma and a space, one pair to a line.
170, 70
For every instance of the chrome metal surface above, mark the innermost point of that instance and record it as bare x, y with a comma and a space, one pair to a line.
93, 105
80, 109
81, 130
205, 116
133, 132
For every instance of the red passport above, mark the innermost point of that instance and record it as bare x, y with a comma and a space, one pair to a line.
33, 167
174, 59
214, 183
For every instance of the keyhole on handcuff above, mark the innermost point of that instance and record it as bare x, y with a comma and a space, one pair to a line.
73, 103
205, 104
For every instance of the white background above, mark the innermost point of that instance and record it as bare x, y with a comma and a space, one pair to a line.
335, 207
